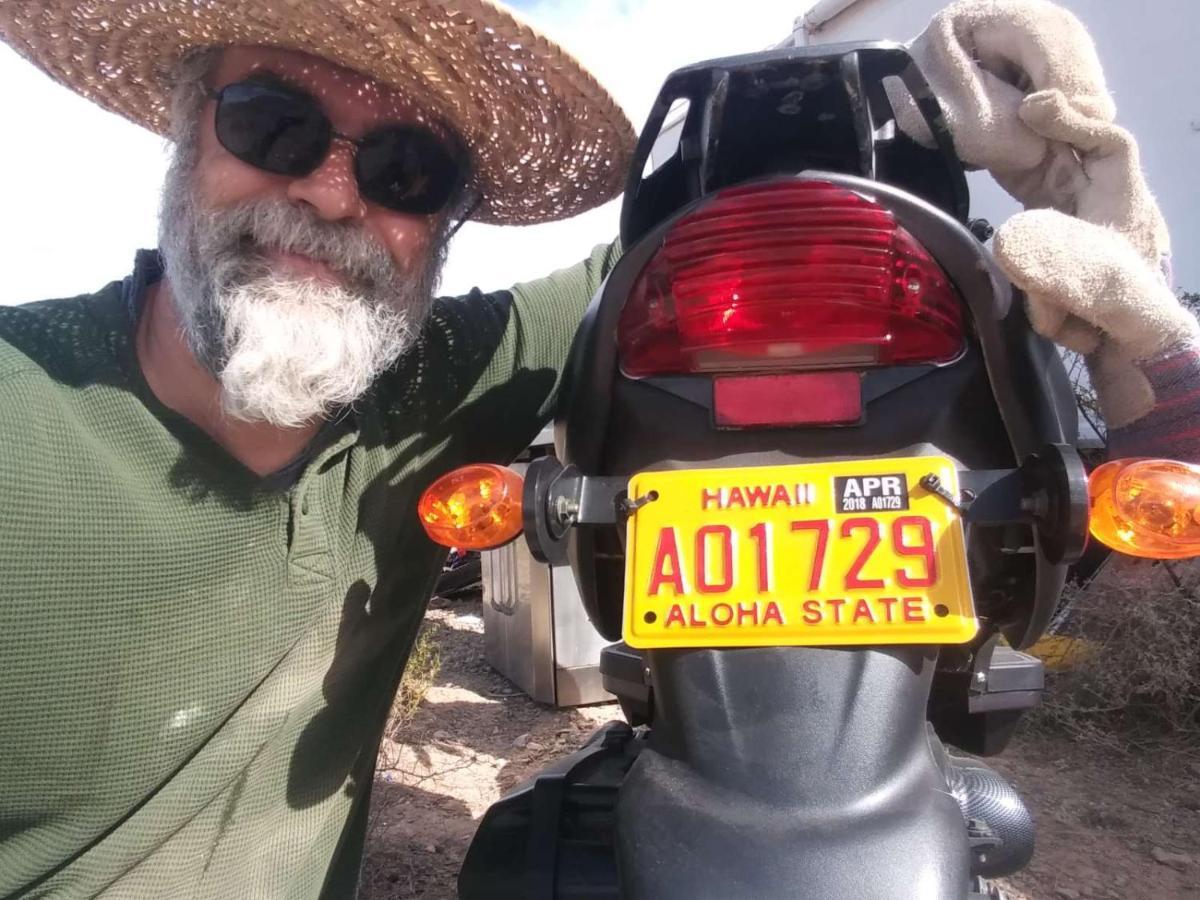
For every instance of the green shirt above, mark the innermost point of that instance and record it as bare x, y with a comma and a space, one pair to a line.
196, 665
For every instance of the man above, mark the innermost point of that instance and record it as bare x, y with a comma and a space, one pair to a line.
213, 572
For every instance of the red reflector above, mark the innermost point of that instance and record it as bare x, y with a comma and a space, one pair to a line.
788, 274
808, 398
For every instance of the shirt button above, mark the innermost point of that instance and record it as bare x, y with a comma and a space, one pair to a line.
304, 507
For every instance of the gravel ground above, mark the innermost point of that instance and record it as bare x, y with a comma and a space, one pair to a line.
1106, 828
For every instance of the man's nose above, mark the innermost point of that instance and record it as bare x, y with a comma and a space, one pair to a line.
331, 189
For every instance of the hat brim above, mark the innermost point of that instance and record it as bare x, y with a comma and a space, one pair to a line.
546, 140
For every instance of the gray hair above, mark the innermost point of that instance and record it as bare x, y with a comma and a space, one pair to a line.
189, 92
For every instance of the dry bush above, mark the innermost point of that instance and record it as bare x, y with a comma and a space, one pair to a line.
1133, 679
424, 663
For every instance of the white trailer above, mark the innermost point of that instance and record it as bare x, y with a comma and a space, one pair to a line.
1149, 51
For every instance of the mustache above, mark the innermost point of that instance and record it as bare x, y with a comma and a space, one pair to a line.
352, 253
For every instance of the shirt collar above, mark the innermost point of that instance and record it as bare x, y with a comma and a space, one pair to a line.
147, 270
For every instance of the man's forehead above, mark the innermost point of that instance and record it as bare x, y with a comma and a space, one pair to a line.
350, 98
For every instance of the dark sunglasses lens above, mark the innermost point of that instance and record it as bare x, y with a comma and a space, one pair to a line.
272, 128
406, 169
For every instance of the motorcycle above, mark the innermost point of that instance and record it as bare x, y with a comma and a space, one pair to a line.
462, 575
816, 478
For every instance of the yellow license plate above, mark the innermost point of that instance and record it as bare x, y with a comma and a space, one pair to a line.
818, 554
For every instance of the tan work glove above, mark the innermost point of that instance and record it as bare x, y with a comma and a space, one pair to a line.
1024, 96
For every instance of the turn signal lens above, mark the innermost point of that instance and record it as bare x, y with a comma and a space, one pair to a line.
1146, 507
476, 507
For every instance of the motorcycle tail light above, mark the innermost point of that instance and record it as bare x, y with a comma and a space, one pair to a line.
788, 275
1146, 507
476, 507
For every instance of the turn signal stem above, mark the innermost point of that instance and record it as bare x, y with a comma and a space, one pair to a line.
1146, 507
476, 507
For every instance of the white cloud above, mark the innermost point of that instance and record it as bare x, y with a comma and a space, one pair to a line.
80, 186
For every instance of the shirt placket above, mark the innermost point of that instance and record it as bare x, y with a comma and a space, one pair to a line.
310, 550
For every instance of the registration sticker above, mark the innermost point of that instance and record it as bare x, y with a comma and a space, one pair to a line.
842, 553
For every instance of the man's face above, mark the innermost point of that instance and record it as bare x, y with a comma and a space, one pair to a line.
355, 105
295, 291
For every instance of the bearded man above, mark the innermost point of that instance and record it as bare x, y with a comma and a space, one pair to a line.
212, 567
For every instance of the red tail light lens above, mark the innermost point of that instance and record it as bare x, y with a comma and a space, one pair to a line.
788, 275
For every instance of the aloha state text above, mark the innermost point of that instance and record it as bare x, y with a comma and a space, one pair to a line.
837, 611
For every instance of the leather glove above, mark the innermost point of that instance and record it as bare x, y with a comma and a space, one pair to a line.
1025, 97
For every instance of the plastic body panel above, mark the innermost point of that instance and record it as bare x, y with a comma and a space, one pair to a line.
553, 837
784, 111
783, 772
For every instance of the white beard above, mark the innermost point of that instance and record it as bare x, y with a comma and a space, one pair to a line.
296, 349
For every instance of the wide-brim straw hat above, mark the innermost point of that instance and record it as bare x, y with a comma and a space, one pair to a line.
546, 140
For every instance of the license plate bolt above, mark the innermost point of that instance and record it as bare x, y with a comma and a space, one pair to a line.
629, 507
933, 484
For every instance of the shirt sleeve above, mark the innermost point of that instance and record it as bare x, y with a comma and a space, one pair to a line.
485, 375
1171, 430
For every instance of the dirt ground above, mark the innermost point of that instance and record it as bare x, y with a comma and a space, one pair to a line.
1106, 828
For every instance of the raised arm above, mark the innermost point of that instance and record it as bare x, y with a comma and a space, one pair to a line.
1025, 96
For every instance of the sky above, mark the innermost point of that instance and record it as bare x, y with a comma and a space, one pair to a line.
80, 190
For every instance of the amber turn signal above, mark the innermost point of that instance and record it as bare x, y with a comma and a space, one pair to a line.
1146, 507
475, 507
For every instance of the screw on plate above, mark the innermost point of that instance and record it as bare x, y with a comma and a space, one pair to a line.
629, 507
933, 484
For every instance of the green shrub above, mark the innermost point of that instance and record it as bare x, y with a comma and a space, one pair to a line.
424, 663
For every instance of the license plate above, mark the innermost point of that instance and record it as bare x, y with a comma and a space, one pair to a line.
818, 554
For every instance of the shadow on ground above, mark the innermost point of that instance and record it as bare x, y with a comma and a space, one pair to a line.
475, 737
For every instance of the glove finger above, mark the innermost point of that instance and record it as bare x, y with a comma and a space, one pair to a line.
1051, 320
1095, 274
1078, 335
1055, 118
1124, 392
1036, 45
1113, 191
1046, 316
1056, 183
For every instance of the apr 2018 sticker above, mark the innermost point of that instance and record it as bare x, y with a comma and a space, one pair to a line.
870, 493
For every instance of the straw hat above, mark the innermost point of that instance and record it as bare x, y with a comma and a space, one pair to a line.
546, 140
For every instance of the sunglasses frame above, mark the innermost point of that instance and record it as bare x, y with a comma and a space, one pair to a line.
456, 157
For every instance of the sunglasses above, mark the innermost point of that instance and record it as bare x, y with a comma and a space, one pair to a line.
272, 127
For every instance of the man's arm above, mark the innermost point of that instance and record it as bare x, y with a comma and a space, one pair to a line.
542, 320
1171, 430
486, 374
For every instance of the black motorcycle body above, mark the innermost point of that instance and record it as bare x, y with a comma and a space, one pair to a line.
819, 772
